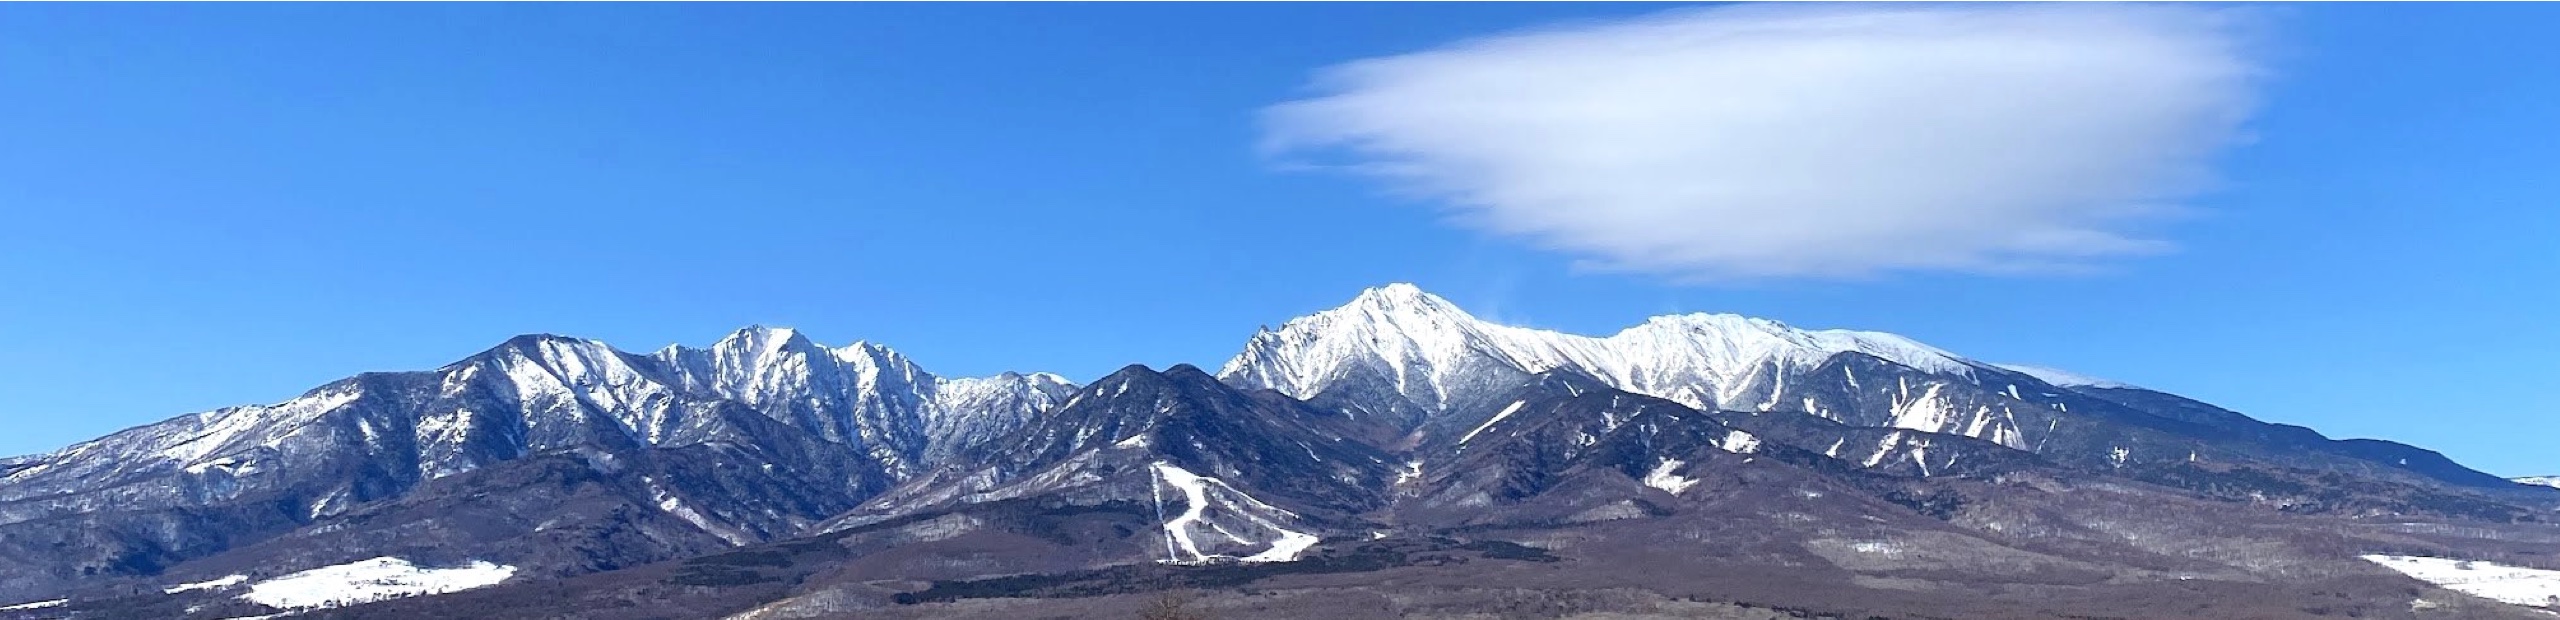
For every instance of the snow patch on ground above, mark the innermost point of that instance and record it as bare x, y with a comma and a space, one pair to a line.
1506, 412
1929, 412
1884, 449
1662, 477
371, 580
2489, 580
1412, 473
1739, 442
36, 605
2540, 481
669, 503
216, 584
226, 463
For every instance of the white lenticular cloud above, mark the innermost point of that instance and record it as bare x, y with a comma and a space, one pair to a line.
1805, 141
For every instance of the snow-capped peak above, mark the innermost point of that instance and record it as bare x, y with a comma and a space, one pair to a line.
761, 339
2061, 378
2540, 481
863, 392
1405, 299
560, 392
1430, 350
1749, 335
972, 410
1431, 324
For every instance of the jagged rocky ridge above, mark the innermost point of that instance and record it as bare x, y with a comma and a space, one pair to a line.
1397, 415
755, 437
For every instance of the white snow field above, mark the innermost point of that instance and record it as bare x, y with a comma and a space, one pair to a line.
215, 584
2498, 582
371, 580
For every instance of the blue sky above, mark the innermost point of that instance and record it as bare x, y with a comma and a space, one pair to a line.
212, 205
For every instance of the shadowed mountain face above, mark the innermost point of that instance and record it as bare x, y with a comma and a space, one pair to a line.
1106, 444
1395, 438
1225, 473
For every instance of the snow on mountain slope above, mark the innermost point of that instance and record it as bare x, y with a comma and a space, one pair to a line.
1216, 517
2540, 481
1399, 341
828, 425
1408, 358
2062, 378
863, 393
549, 392
1238, 475
191, 443
1663, 476
370, 580
1432, 351
973, 411
44, 604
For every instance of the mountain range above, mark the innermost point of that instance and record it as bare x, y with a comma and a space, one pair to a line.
1392, 457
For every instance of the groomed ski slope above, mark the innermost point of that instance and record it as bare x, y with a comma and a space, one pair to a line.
1285, 545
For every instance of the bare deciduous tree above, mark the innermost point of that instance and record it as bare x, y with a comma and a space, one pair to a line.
1171, 606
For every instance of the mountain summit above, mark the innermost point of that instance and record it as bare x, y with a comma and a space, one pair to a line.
1401, 354
818, 429
1430, 349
